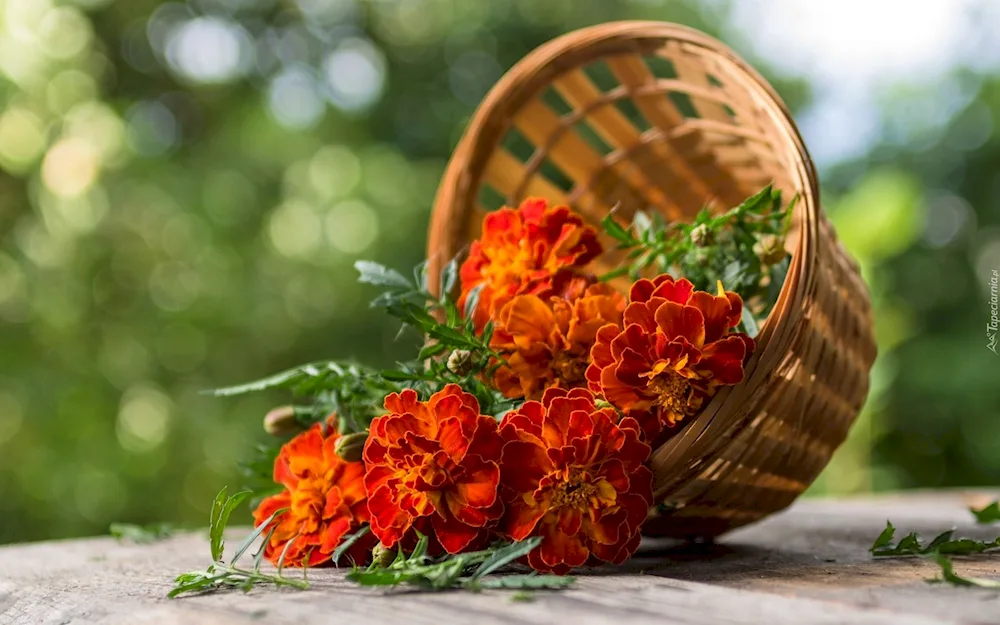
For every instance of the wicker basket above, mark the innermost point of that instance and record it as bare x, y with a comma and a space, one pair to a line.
655, 116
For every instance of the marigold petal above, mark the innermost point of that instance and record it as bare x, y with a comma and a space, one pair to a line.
453, 535
722, 361
270, 505
388, 521
718, 312
332, 535
676, 320
479, 487
524, 464
558, 548
678, 291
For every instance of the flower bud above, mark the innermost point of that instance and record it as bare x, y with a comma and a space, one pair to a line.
382, 555
460, 361
770, 249
282, 422
350, 446
701, 236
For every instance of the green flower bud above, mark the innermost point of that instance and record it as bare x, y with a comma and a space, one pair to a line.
383, 556
282, 422
460, 361
770, 249
350, 446
701, 236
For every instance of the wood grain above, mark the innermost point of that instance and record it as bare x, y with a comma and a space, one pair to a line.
806, 565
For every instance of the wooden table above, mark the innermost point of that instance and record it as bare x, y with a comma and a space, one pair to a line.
807, 565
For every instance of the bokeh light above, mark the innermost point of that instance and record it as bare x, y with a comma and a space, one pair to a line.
185, 186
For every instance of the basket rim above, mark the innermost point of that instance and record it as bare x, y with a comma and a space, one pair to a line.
529, 76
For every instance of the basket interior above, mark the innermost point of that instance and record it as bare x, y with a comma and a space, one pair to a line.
651, 125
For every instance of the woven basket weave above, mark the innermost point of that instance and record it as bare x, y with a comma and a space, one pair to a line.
655, 116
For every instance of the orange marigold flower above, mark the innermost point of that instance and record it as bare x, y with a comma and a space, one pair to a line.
546, 341
520, 251
573, 474
433, 467
673, 353
324, 496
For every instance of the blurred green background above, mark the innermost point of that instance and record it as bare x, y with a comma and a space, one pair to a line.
185, 187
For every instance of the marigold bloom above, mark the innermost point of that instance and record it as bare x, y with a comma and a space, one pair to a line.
674, 352
433, 467
324, 496
574, 475
546, 341
520, 251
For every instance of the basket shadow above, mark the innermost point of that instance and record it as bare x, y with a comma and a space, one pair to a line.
714, 562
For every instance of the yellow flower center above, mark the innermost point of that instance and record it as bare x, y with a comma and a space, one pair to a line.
582, 494
571, 370
507, 264
674, 394
308, 501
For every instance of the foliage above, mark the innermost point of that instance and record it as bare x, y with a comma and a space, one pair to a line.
726, 247
221, 575
464, 570
989, 513
940, 548
141, 534
944, 544
949, 576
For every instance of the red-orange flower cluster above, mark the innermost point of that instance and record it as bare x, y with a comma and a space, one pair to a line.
546, 341
520, 251
574, 475
433, 467
325, 500
673, 353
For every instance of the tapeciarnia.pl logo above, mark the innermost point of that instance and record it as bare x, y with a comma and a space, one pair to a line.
994, 324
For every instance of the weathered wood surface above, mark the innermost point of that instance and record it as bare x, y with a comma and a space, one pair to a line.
807, 565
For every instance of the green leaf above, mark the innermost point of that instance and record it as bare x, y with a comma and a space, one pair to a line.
749, 322
248, 541
222, 508
380, 275
141, 534
449, 277
948, 575
431, 350
505, 555
348, 542
885, 538
472, 300
987, 514
940, 539
943, 543
615, 230
285, 379
528, 581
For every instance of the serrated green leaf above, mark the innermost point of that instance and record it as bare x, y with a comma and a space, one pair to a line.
940, 539
379, 275
885, 538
